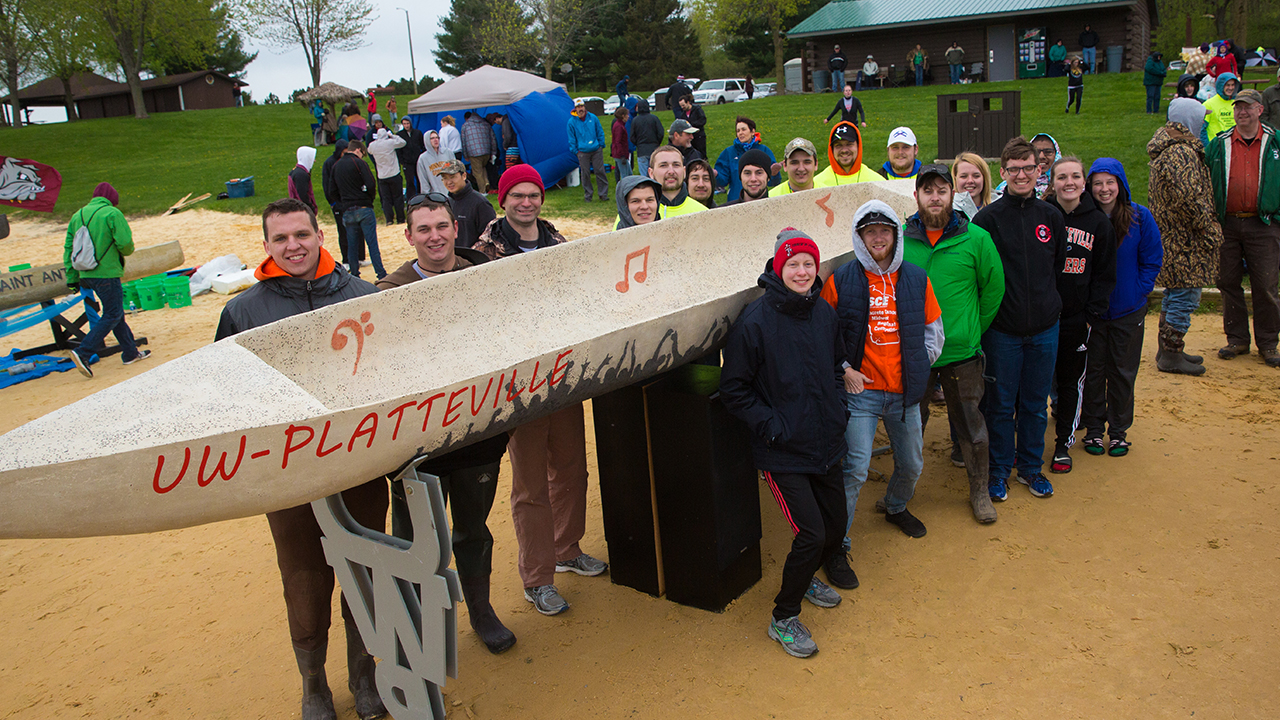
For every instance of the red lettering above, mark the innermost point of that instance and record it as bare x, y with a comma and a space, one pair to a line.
476, 410
533, 384
399, 413
155, 484
427, 404
289, 447
361, 431
320, 449
260, 453
501, 379
451, 408
221, 467
512, 386
558, 368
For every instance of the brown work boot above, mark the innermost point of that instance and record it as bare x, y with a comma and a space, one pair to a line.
980, 500
1270, 357
1229, 352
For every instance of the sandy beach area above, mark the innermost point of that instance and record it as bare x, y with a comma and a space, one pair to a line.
1139, 590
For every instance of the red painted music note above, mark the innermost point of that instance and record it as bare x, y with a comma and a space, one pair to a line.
358, 331
641, 274
822, 203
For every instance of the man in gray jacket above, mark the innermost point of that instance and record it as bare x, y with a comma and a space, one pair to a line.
299, 275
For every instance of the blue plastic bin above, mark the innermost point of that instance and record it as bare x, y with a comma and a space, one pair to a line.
240, 188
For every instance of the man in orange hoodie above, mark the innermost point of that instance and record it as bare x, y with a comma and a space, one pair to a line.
844, 151
300, 275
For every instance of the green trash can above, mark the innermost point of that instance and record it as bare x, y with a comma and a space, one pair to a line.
150, 294
177, 291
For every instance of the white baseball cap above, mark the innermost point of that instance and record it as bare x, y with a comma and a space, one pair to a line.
902, 135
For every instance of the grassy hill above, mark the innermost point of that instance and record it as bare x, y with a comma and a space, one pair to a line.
154, 162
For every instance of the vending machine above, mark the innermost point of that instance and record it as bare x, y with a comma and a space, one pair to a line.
1032, 46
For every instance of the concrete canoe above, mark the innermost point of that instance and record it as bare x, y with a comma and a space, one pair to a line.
300, 409
48, 282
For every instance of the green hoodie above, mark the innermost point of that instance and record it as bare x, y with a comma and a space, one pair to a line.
112, 240
967, 277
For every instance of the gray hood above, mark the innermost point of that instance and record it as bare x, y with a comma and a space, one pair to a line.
625, 186
860, 248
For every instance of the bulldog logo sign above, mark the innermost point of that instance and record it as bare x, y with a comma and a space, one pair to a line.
28, 184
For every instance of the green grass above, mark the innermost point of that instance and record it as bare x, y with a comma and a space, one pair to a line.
154, 162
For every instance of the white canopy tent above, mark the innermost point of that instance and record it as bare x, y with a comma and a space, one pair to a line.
486, 86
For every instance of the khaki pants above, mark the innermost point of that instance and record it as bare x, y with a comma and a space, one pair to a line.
479, 172
548, 492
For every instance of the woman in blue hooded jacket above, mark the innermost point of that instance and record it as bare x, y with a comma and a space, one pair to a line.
1115, 343
727, 163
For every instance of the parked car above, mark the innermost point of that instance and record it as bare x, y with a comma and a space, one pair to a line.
762, 90
653, 97
719, 91
611, 105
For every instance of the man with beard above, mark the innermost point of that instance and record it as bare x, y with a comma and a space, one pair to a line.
800, 160
968, 279
753, 171
667, 168
844, 152
903, 151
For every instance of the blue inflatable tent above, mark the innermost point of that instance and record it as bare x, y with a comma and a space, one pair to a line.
538, 109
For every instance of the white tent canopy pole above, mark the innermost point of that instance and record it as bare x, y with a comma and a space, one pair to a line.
485, 86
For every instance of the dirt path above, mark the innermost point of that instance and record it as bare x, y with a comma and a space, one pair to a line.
1139, 590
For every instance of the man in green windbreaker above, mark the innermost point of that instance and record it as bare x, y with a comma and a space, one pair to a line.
968, 279
112, 241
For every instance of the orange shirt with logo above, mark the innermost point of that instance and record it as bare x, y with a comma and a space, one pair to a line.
882, 351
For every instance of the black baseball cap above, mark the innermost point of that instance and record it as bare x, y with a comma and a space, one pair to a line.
844, 131
938, 169
875, 218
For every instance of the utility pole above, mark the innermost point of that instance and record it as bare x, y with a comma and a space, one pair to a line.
412, 67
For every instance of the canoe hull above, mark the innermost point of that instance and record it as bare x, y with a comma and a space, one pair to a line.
297, 410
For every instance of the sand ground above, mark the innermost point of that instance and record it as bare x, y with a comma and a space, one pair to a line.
1138, 591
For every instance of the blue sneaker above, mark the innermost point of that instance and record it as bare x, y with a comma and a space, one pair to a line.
998, 489
1038, 484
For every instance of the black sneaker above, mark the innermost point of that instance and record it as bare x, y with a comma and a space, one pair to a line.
907, 523
839, 573
81, 365
142, 355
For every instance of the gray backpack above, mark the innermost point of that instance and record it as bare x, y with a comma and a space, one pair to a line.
84, 256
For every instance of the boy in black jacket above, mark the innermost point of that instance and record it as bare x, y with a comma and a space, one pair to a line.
1022, 343
782, 377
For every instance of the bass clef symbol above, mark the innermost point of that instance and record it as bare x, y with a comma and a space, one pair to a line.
358, 330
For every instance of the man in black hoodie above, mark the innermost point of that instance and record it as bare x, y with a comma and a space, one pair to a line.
414, 145
1022, 343
335, 204
356, 192
646, 134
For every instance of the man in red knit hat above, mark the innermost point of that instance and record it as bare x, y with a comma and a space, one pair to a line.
548, 455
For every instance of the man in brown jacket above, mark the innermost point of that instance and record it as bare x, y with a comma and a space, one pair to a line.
468, 475
1181, 200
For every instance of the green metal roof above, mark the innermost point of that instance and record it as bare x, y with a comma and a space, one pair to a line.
844, 15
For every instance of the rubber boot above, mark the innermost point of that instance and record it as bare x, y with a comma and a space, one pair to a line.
1170, 358
980, 500
360, 680
484, 620
317, 700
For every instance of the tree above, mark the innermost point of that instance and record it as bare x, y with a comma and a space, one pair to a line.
321, 27
557, 25
661, 44
1192, 22
61, 40
599, 53
226, 56
732, 18
484, 32
14, 53
128, 28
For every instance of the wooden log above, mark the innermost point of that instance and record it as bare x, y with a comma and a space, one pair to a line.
38, 284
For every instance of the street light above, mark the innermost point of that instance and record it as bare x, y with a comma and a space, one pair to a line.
412, 68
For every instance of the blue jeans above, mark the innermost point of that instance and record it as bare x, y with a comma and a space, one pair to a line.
643, 162
837, 81
1153, 99
1177, 306
1090, 58
621, 168
956, 70
111, 299
919, 75
1019, 370
866, 410
362, 228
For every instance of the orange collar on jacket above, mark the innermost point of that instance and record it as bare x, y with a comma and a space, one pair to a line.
269, 269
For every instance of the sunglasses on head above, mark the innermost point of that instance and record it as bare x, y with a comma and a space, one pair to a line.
435, 197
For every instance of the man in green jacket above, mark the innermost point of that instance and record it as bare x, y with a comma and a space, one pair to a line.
968, 279
1152, 78
1244, 168
112, 241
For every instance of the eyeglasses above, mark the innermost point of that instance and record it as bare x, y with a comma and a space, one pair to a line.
435, 197
1022, 170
